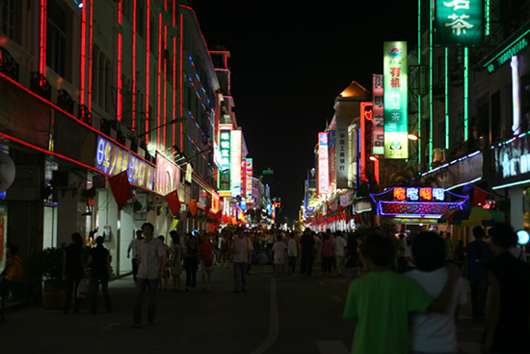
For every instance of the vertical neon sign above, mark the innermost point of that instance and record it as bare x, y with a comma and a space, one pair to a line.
133, 88
147, 68
516, 127
90, 26
378, 113
83, 51
243, 178
323, 164
396, 100
250, 171
235, 163
224, 163
159, 76
43, 21
119, 95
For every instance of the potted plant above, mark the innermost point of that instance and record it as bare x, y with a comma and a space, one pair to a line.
47, 265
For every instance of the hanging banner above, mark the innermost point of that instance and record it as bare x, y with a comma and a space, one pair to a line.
332, 156
459, 22
224, 166
342, 153
250, 171
378, 112
395, 100
323, 164
244, 178
235, 163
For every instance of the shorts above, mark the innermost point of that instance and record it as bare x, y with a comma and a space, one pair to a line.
279, 262
352, 272
205, 268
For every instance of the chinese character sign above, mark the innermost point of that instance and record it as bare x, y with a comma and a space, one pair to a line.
459, 22
235, 162
395, 100
323, 164
112, 160
250, 169
243, 178
342, 151
378, 113
224, 166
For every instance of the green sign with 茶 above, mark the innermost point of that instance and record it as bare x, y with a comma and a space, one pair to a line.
459, 22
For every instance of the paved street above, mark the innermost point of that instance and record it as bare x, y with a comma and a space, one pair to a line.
277, 315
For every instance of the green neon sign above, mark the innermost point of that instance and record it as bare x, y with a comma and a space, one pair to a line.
459, 22
396, 100
508, 52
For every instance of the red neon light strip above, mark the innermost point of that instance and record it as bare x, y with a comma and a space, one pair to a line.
147, 70
72, 117
133, 88
119, 107
376, 168
165, 88
83, 55
159, 77
174, 74
181, 111
363, 142
43, 23
90, 57
197, 21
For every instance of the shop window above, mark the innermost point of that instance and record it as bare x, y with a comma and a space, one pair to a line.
58, 23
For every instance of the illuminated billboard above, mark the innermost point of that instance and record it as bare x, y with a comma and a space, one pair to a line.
235, 163
342, 152
395, 100
250, 168
323, 164
224, 166
459, 22
378, 113
366, 137
243, 178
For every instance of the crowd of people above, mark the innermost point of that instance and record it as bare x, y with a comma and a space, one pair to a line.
399, 285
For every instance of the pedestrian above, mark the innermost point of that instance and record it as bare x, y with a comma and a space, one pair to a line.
307, 246
351, 260
478, 254
448, 246
228, 251
507, 328
206, 249
100, 272
176, 260
382, 301
242, 249
339, 243
151, 261
433, 332
191, 263
12, 272
166, 270
326, 251
73, 269
402, 254
279, 249
132, 247
460, 254
292, 252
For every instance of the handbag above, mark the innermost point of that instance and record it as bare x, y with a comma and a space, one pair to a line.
82, 288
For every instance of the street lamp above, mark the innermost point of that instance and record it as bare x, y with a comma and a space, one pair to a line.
176, 120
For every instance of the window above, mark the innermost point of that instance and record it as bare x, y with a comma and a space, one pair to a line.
9, 17
140, 19
56, 38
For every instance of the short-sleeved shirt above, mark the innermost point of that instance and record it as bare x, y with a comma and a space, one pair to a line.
327, 248
241, 248
382, 302
513, 329
279, 251
73, 260
292, 248
207, 251
308, 244
132, 246
148, 254
433, 331
98, 267
479, 254
338, 244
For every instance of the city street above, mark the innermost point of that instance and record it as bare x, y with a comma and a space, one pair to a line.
277, 315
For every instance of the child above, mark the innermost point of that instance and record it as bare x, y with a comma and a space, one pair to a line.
279, 248
434, 332
382, 300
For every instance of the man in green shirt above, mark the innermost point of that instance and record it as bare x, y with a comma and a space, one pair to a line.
382, 301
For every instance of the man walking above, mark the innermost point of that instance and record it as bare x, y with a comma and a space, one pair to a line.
151, 260
307, 248
338, 251
478, 255
292, 252
242, 256
132, 246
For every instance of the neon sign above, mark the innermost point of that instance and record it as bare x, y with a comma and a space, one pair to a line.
224, 163
323, 164
250, 167
235, 163
112, 159
459, 22
378, 113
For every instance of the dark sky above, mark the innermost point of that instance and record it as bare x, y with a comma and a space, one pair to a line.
289, 61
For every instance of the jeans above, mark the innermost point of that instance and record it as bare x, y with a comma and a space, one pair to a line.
94, 287
72, 282
479, 291
240, 275
306, 264
141, 284
135, 268
292, 265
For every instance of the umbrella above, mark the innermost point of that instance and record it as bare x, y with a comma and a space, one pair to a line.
475, 216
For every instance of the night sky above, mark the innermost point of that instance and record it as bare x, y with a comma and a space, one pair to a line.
289, 61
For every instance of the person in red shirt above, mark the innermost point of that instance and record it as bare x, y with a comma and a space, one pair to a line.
206, 253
